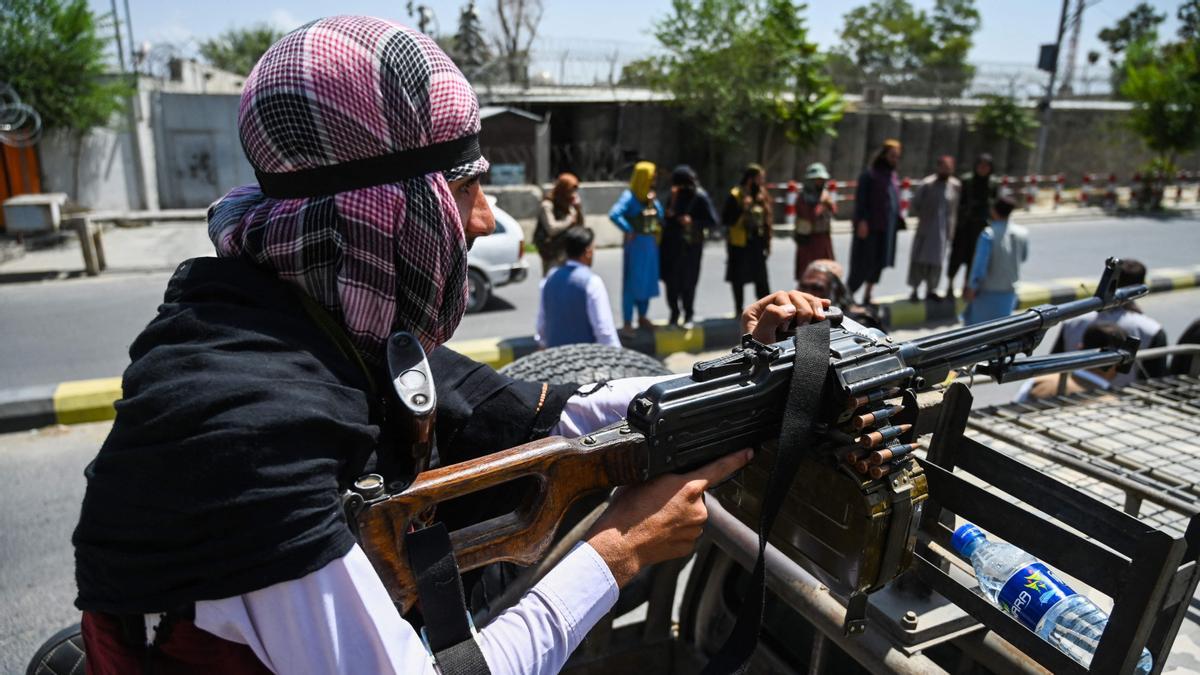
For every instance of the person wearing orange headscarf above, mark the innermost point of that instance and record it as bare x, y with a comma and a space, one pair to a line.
560, 210
639, 215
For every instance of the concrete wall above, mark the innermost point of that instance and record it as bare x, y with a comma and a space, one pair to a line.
199, 154
600, 141
110, 176
190, 153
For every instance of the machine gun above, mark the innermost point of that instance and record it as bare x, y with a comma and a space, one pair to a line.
857, 498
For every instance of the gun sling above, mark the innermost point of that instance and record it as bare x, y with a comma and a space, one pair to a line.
448, 633
796, 437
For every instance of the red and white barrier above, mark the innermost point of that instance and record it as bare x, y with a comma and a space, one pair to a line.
1085, 189
1110, 196
790, 204
832, 186
905, 196
1059, 181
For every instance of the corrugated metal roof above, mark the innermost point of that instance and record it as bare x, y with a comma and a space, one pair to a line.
493, 110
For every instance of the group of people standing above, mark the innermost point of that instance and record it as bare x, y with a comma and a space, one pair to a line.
662, 244
664, 236
962, 222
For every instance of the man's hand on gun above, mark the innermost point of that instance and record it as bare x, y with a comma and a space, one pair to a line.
662, 519
659, 520
771, 318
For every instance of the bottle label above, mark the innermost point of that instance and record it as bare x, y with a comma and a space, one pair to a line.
1031, 592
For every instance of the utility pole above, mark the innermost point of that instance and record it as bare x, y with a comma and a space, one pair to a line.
1068, 84
117, 31
1050, 64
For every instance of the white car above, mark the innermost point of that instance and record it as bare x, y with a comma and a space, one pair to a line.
495, 260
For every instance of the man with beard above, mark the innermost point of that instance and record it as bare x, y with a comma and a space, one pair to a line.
935, 204
876, 218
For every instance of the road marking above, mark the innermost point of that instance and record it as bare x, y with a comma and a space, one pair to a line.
86, 400
669, 340
491, 351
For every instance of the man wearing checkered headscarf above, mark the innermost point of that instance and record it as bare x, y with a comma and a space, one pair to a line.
212, 536
381, 254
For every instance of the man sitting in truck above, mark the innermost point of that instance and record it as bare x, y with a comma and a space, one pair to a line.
1099, 335
212, 537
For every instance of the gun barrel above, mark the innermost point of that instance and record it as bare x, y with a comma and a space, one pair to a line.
1011, 334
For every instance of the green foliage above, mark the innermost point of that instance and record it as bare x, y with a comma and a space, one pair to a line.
889, 43
1189, 20
1001, 118
52, 52
238, 49
648, 72
734, 64
1140, 24
1164, 85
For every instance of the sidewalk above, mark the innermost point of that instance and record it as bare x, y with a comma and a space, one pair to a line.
129, 250
158, 246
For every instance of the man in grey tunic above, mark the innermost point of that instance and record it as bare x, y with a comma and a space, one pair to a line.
935, 204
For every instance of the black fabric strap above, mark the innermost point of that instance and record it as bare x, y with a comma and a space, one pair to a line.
795, 438
322, 181
440, 590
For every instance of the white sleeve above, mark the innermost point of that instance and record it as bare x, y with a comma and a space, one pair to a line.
539, 334
600, 313
340, 619
603, 405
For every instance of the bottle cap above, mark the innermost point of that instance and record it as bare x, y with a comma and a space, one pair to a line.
965, 536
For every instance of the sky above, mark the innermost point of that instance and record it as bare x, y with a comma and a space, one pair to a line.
1011, 29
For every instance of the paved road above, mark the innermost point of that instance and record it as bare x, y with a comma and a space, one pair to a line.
81, 328
41, 485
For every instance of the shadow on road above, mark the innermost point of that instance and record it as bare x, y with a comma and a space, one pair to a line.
27, 277
496, 304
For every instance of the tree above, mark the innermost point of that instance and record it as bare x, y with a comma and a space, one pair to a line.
53, 53
1140, 24
647, 72
518, 21
470, 48
1001, 118
734, 65
1189, 20
891, 44
1164, 85
238, 49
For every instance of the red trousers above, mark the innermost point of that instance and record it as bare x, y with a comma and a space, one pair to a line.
187, 650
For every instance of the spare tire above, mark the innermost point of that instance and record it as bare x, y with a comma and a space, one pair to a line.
62, 654
582, 364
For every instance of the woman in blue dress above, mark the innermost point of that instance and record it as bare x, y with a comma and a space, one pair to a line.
639, 215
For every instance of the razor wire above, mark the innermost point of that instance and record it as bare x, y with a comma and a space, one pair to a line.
20, 123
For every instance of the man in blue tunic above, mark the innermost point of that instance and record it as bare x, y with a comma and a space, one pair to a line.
991, 288
574, 306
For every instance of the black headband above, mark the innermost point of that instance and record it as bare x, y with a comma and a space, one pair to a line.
362, 173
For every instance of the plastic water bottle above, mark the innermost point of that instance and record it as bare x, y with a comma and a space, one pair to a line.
1030, 592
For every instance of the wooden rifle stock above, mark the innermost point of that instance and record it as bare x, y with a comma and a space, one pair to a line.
565, 470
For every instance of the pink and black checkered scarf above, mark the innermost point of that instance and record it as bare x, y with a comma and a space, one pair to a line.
357, 96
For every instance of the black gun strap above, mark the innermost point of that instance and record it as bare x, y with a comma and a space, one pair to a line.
440, 590
795, 438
